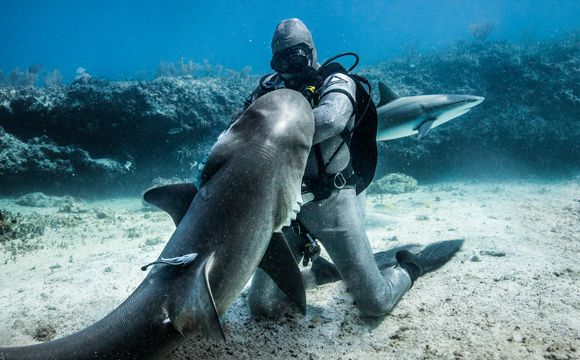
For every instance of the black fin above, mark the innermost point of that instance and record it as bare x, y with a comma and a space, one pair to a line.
192, 308
174, 199
431, 258
435, 255
325, 272
278, 262
387, 94
386, 259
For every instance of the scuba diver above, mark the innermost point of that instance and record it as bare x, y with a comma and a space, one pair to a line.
340, 166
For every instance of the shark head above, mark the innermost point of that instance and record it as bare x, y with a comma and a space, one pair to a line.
450, 106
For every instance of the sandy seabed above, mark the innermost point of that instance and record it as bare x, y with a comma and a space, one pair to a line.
513, 292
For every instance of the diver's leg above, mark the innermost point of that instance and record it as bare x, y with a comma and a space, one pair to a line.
362, 201
265, 298
338, 224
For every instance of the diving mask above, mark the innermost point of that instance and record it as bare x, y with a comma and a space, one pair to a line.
292, 60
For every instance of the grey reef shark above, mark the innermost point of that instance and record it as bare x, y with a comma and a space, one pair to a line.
232, 225
409, 115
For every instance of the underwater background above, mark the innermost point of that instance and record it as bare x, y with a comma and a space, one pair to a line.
100, 100
115, 94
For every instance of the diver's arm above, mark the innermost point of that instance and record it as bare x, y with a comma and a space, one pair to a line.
335, 109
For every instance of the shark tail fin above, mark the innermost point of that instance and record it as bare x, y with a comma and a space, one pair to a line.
191, 308
278, 262
387, 94
174, 199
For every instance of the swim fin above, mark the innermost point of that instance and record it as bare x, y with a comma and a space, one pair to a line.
326, 272
431, 258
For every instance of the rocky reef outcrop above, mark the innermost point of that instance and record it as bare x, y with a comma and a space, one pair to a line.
393, 184
117, 135
528, 123
97, 135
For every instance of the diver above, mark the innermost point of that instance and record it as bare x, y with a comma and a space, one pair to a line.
335, 216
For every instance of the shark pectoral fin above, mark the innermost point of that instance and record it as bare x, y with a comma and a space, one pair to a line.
174, 199
278, 262
425, 127
387, 94
192, 310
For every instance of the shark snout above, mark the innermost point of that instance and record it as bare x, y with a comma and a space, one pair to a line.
474, 100
466, 100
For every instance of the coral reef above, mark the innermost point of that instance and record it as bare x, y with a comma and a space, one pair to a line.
114, 135
527, 124
19, 234
393, 184
137, 130
38, 199
41, 163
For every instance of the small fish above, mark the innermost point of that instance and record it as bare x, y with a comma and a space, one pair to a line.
128, 165
174, 131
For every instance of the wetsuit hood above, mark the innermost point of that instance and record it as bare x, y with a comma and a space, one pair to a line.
292, 32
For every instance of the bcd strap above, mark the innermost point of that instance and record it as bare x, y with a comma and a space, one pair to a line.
345, 134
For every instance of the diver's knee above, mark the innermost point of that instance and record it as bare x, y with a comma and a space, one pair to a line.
382, 301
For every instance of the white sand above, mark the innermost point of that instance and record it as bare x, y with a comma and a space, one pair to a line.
524, 305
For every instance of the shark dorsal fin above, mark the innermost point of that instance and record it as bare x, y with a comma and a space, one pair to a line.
278, 262
174, 199
387, 94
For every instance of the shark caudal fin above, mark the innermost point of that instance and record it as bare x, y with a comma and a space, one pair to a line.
386, 94
174, 199
278, 262
190, 307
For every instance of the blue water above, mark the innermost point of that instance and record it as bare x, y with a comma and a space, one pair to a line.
127, 39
